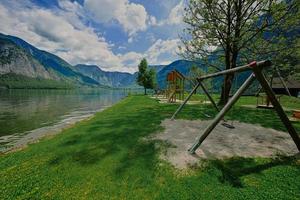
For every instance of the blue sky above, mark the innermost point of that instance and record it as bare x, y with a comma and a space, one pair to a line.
113, 34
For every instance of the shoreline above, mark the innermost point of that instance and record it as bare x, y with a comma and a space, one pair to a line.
34, 136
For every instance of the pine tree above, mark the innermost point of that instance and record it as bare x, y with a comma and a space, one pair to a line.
146, 78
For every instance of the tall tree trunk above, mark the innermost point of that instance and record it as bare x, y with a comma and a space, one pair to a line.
228, 80
145, 93
226, 88
232, 49
225, 92
228, 77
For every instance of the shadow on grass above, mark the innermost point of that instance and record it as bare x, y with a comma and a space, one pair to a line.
262, 117
141, 156
234, 169
118, 135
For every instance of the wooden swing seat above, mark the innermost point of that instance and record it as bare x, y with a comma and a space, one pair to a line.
265, 106
265, 102
228, 125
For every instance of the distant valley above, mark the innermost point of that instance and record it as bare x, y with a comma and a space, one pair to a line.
25, 66
111, 79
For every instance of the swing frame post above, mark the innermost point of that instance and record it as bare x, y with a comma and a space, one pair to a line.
278, 108
222, 113
191, 94
282, 82
186, 100
208, 95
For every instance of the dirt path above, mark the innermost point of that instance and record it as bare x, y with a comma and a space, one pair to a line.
245, 140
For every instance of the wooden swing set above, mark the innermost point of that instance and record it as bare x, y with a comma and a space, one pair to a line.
256, 68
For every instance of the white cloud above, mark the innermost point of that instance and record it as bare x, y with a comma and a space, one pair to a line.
176, 14
152, 20
104, 10
71, 11
68, 5
160, 52
175, 17
163, 51
131, 59
133, 17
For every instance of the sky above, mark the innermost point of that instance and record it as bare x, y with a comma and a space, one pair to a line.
112, 34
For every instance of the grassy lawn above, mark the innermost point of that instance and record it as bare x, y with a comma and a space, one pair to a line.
107, 158
286, 101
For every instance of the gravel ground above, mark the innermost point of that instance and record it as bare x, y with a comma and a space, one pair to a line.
245, 140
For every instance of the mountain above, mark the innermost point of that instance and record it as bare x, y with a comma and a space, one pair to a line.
18, 69
157, 68
112, 79
26, 60
122, 79
14, 59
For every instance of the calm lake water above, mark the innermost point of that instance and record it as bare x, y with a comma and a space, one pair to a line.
29, 114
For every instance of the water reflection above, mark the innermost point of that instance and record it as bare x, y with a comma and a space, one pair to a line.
22, 111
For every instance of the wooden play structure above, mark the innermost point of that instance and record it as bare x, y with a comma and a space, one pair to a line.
256, 68
175, 86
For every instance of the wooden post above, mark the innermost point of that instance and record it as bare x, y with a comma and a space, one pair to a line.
185, 101
183, 90
222, 113
262, 80
282, 82
208, 95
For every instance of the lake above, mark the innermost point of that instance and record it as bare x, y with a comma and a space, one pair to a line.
26, 115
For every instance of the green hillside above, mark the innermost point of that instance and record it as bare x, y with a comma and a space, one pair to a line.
14, 81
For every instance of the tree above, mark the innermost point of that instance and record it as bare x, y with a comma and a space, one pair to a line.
194, 73
228, 28
279, 43
146, 78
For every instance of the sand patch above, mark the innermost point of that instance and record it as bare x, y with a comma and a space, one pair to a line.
245, 140
162, 99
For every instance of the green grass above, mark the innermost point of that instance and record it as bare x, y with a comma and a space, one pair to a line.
107, 158
286, 101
